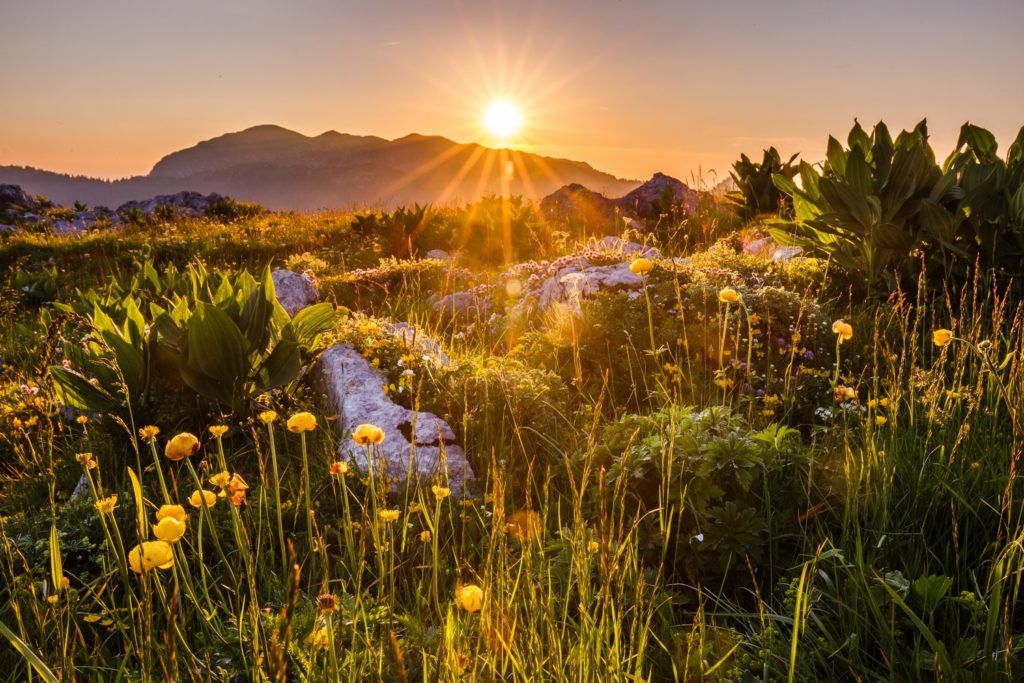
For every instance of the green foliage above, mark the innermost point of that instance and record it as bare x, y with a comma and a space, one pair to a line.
221, 335
882, 210
756, 192
36, 286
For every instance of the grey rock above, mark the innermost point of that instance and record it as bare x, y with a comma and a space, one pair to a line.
463, 305
294, 290
419, 343
191, 204
568, 281
417, 445
440, 254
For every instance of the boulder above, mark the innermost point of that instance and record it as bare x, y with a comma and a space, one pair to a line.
416, 342
464, 305
294, 290
439, 254
191, 204
416, 445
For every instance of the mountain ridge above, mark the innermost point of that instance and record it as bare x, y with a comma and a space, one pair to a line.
287, 170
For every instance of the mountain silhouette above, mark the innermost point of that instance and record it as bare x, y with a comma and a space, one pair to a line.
285, 170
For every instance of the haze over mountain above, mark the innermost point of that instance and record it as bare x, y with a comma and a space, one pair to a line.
283, 169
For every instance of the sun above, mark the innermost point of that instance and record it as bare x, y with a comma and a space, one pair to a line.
502, 119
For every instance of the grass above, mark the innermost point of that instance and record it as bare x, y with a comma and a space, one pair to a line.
670, 486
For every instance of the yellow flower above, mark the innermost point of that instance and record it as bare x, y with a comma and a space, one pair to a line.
91, 618
268, 416
149, 432
320, 638
366, 434
197, 498
86, 460
173, 511
523, 525
641, 266
237, 488
728, 295
387, 516
593, 546
880, 420
82, 419
301, 422
149, 555
169, 529
220, 479
441, 492
217, 431
425, 535
843, 329
941, 337
182, 446
844, 393
52, 599
339, 468
106, 505
469, 597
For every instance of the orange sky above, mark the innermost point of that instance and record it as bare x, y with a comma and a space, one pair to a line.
106, 88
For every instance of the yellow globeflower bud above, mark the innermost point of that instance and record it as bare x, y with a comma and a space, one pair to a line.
469, 597
641, 266
728, 295
301, 422
366, 434
169, 529
182, 446
150, 555
942, 337
197, 498
173, 511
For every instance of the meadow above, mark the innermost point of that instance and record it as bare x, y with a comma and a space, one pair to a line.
746, 468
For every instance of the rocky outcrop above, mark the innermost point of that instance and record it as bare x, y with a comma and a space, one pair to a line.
418, 446
413, 339
19, 211
465, 306
645, 201
294, 290
767, 247
188, 204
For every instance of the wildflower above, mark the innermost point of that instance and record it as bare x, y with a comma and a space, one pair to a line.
387, 516
52, 599
441, 492
366, 434
149, 555
91, 618
523, 525
301, 422
182, 446
169, 529
641, 266
425, 535
65, 583
86, 460
173, 511
268, 416
593, 546
220, 479
414, 508
198, 497
843, 329
105, 506
844, 393
469, 597
149, 432
339, 468
880, 420
326, 602
82, 419
217, 431
941, 337
236, 487
728, 295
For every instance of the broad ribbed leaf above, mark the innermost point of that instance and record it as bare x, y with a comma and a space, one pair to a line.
216, 347
75, 391
311, 321
836, 157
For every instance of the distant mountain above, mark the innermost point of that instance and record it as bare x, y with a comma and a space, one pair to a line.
282, 169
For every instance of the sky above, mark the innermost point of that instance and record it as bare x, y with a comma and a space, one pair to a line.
107, 87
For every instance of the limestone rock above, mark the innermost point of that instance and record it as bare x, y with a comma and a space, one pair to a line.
417, 342
418, 445
191, 204
294, 290
464, 305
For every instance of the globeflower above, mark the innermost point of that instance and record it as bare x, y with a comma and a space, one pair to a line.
641, 266
182, 446
366, 434
339, 468
301, 422
169, 529
728, 295
150, 555
469, 597
173, 511
843, 329
942, 337
198, 497
105, 506
523, 525
388, 516
268, 416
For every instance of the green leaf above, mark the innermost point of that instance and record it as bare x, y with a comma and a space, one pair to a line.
216, 347
31, 657
281, 367
311, 321
836, 157
75, 391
